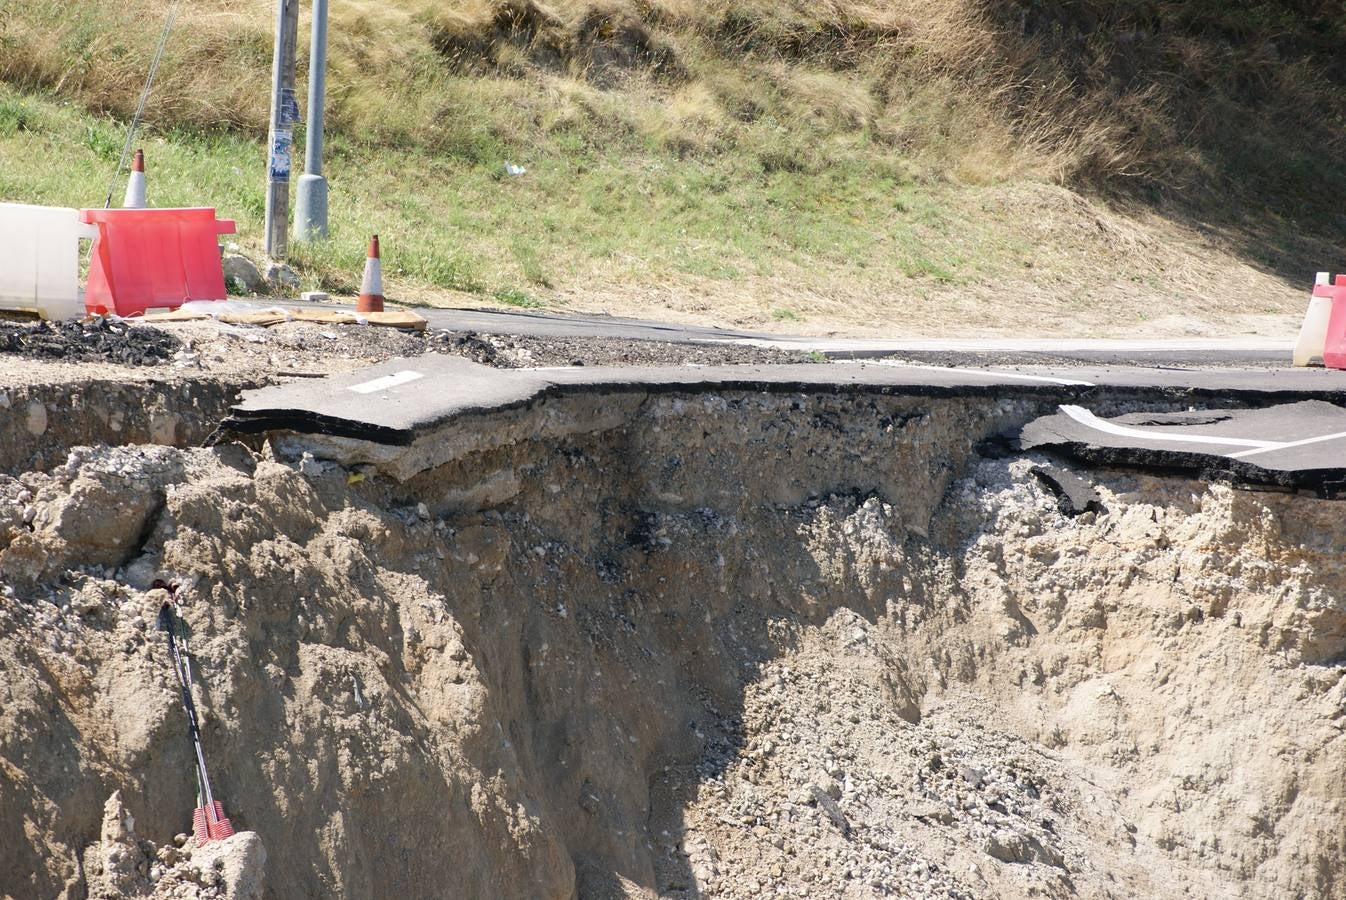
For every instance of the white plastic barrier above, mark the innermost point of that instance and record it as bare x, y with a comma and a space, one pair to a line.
1313, 333
39, 259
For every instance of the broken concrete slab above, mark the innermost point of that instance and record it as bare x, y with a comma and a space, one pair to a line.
1296, 446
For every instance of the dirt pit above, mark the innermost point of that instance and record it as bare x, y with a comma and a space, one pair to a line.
675, 645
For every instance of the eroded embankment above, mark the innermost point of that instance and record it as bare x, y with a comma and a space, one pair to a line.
727, 643
43, 421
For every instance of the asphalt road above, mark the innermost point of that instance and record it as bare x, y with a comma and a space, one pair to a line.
1292, 434
997, 351
1235, 351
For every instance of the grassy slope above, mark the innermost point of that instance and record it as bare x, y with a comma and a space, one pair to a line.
800, 167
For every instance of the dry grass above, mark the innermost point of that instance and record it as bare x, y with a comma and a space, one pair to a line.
825, 158
1123, 93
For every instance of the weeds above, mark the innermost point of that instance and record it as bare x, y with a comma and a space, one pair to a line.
15, 117
517, 298
102, 141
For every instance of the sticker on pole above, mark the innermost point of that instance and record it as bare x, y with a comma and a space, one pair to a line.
281, 144
289, 107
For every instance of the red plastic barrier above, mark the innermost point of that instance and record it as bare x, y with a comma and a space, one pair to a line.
154, 258
1334, 348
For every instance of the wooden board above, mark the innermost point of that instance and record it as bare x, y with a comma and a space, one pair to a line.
265, 318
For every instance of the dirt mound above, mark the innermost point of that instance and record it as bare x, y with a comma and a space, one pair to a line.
96, 340
721, 644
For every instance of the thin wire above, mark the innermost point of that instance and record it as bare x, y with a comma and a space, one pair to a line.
144, 98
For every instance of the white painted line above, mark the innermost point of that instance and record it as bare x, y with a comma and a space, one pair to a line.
1017, 345
993, 373
1286, 446
1088, 419
1069, 382
387, 381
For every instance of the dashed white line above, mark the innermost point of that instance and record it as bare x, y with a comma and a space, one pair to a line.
387, 381
992, 373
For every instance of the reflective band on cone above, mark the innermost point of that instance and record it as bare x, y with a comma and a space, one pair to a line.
200, 827
135, 185
371, 288
219, 827
209, 824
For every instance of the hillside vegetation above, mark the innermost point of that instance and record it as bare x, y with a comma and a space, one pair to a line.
894, 166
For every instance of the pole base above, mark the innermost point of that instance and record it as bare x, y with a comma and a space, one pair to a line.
310, 208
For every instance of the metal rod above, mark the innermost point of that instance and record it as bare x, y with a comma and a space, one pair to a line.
317, 85
144, 98
166, 622
310, 203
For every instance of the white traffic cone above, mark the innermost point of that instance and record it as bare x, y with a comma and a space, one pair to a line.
135, 185
1313, 333
371, 288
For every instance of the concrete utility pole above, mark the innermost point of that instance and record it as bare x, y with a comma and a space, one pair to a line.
310, 199
284, 113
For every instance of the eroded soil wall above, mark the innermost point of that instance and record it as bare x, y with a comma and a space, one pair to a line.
715, 643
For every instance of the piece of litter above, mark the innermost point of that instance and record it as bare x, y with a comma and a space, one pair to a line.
514, 171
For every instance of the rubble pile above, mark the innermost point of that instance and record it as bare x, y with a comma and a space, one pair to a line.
100, 339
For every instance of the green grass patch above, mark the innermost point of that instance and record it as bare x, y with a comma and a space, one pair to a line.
15, 117
611, 211
518, 298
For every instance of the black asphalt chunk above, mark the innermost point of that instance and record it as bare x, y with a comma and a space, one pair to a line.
1292, 446
833, 811
1074, 495
97, 340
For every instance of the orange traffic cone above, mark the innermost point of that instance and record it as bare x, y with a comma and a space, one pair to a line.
371, 289
135, 185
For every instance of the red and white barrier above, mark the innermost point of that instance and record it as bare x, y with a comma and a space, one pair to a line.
1323, 334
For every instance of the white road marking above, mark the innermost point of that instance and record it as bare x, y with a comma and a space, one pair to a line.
993, 373
387, 381
1088, 419
1019, 345
1286, 446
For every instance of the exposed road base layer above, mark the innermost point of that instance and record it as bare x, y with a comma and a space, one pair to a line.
361, 417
